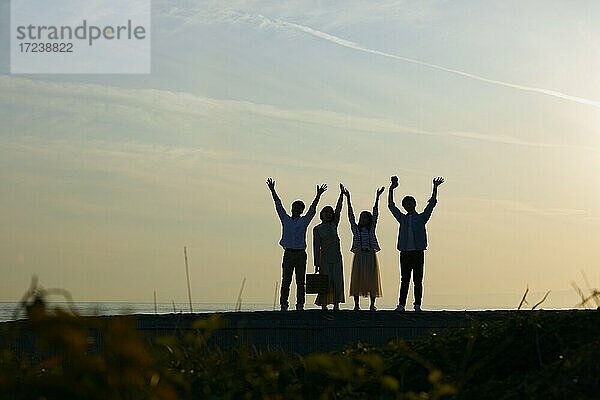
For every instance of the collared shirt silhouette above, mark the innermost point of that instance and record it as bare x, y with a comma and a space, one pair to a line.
293, 241
293, 230
412, 233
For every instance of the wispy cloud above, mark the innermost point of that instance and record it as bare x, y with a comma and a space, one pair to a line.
138, 159
176, 107
268, 22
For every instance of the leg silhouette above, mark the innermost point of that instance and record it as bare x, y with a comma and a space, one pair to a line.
418, 277
300, 268
286, 280
405, 272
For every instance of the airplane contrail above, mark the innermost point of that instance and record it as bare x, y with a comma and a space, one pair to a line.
355, 46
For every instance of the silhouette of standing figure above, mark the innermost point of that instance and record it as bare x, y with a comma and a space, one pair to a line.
365, 279
412, 240
293, 241
328, 255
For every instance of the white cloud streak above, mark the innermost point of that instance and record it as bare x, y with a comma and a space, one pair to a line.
264, 21
139, 103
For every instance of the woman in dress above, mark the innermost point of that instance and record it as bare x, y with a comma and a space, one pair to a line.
365, 279
328, 256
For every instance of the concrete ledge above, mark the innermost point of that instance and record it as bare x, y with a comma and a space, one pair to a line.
299, 332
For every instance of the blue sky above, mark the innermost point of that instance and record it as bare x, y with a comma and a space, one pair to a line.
108, 176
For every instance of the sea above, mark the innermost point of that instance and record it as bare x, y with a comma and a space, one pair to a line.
10, 311
558, 299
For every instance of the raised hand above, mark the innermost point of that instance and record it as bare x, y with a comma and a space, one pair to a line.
438, 181
394, 180
321, 189
346, 192
380, 191
271, 184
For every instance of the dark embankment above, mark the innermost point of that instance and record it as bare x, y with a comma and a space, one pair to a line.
500, 355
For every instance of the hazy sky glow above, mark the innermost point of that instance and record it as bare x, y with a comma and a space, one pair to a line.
106, 178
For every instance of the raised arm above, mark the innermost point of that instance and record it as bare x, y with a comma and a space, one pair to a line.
338, 206
312, 210
351, 217
376, 205
271, 186
278, 206
391, 205
393, 185
433, 200
436, 182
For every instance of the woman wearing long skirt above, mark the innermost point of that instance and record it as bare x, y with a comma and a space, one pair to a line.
328, 256
365, 279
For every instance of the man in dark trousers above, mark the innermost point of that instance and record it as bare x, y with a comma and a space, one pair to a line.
293, 241
412, 240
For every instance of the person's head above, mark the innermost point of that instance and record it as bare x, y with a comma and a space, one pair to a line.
365, 219
327, 214
409, 203
297, 208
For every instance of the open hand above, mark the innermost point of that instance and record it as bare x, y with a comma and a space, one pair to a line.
380, 191
271, 184
321, 189
394, 180
438, 181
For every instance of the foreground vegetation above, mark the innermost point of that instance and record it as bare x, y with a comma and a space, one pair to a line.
525, 356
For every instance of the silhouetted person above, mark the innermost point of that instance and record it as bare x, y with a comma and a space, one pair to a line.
365, 279
412, 241
328, 255
293, 240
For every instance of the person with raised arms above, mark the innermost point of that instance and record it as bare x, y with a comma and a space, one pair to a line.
412, 241
328, 255
365, 279
293, 241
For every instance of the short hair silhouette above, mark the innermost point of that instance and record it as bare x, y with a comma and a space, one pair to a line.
327, 213
298, 207
409, 202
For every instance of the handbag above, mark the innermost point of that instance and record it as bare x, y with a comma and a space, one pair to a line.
316, 283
